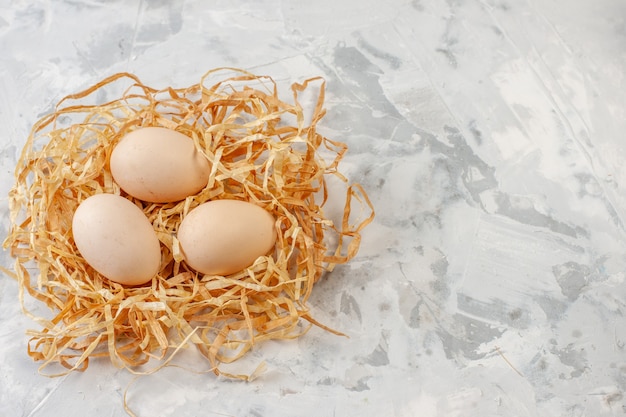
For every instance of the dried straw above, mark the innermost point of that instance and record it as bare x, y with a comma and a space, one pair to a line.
260, 150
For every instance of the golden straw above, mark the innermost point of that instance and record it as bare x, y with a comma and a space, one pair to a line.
260, 150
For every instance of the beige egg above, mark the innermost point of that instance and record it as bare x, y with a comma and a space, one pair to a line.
116, 239
159, 165
222, 237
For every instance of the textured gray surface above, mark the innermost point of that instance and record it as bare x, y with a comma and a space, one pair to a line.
489, 135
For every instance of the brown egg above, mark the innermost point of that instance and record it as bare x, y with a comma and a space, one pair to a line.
116, 239
159, 165
222, 237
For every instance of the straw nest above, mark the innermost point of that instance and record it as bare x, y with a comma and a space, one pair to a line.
260, 149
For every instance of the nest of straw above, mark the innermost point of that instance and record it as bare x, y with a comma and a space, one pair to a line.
260, 149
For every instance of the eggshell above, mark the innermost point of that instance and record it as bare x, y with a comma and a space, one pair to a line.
116, 239
222, 237
159, 165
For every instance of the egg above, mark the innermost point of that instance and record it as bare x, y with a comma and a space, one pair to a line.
115, 237
222, 237
159, 165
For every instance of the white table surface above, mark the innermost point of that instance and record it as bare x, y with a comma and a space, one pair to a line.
489, 135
